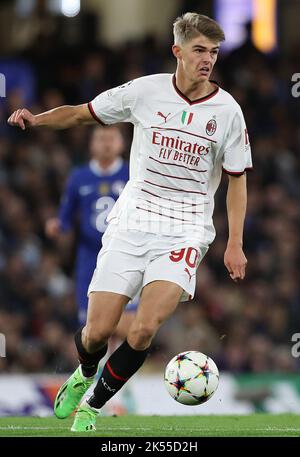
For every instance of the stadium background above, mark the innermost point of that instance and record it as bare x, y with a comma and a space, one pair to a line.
49, 58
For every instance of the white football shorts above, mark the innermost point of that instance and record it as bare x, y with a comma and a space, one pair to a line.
129, 260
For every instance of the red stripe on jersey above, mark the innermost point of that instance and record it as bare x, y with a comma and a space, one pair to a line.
175, 177
119, 378
172, 188
171, 200
90, 106
183, 131
176, 165
237, 173
161, 214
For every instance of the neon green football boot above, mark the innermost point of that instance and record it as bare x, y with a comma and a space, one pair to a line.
85, 419
70, 394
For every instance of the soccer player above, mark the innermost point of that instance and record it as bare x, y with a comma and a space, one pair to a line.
89, 196
186, 130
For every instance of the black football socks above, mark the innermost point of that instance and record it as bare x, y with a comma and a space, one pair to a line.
89, 361
121, 365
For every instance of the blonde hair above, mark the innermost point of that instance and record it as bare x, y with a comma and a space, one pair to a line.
190, 25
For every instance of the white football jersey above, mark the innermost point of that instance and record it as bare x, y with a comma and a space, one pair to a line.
178, 151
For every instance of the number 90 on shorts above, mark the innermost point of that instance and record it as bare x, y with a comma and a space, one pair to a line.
127, 263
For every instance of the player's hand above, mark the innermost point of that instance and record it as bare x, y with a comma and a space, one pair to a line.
22, 118
235, 262
52, 227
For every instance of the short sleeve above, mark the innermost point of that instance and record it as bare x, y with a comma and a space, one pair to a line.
237, 151
114, 105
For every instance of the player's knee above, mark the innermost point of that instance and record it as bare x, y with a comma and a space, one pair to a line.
95, 338
141, 334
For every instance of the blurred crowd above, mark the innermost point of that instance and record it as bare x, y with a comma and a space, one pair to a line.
245, 327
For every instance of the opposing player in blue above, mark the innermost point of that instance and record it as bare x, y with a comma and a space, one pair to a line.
90, 194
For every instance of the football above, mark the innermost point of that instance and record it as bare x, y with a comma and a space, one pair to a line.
191, 378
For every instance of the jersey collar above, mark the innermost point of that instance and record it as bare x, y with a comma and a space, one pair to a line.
113, 169
199, 100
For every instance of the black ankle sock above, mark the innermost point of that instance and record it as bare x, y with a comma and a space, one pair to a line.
89, 361
121, 365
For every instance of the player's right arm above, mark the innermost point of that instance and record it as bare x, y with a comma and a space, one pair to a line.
109, 107
62, 117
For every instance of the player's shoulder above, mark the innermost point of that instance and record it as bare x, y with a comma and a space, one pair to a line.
228, 100
154, 80
144, 86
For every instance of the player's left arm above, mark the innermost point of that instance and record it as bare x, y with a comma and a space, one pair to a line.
234, 257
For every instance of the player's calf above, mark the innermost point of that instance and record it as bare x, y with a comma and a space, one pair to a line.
121, 365
89, 360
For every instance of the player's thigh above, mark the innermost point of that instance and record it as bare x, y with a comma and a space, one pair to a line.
177, 266
104, 311
159, 299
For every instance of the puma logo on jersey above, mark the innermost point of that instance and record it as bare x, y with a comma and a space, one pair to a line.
189, 274
159, 113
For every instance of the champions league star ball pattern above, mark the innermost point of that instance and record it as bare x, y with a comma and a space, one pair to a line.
191, 378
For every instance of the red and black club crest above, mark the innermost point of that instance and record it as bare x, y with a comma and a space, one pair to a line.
211, 127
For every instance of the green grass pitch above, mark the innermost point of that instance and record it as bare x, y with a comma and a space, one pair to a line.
254, 425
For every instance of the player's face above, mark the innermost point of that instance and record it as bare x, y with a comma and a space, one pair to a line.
197, 57
106, 143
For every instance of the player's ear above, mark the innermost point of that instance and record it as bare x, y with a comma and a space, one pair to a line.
176, 51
